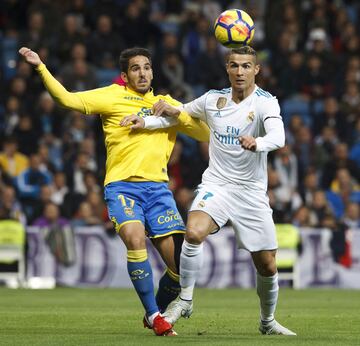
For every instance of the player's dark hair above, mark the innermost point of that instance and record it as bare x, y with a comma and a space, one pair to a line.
244, 50
129, 53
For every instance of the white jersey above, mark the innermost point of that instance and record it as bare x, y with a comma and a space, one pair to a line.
258, 115
229, 163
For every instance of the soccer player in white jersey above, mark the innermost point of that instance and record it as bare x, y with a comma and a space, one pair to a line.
245, 124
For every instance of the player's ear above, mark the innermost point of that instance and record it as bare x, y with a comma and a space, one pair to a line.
257, 69
124, 77
227, 67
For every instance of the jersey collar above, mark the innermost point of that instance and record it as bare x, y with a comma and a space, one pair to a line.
149, 93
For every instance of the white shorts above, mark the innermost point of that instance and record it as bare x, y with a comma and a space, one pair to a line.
246, 210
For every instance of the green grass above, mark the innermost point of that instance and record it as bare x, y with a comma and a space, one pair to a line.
67, 316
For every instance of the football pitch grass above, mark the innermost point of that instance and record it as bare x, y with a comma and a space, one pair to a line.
67, 316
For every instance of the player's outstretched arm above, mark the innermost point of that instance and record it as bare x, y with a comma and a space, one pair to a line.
54, 87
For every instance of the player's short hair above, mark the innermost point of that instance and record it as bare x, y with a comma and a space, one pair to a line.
244, 50
129, 53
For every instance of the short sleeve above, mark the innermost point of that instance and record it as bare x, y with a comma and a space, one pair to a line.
196, 108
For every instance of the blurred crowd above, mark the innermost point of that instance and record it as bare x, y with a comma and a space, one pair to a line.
52, 160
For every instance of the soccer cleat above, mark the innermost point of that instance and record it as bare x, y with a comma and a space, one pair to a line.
160, 326
178, 308
274, 328
146, 322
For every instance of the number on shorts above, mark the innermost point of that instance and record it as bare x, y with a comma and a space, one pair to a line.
123, 200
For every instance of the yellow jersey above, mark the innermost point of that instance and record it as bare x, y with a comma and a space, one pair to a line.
131, 155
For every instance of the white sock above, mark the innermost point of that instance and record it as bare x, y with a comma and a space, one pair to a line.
191, 260
152, 317
268, 291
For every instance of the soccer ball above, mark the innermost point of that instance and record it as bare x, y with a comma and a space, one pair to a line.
234, 28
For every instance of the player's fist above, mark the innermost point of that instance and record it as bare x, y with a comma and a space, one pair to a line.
162, 108
30, 56
134, 120
248, 142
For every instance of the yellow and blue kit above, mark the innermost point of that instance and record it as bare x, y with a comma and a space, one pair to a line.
136, 160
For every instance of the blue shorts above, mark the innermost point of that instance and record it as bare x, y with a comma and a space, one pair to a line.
150, 203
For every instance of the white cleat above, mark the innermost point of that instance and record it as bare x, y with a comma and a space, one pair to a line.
178, 308
274, 328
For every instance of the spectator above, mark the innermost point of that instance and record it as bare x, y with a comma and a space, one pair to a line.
29, 184
12, 161
352, 216
50, 217
85, 216
340, 160
10, 207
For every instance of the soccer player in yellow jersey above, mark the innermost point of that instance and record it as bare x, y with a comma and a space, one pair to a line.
136, 192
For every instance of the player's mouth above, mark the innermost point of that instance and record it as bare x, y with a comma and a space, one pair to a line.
142, 81
240, 81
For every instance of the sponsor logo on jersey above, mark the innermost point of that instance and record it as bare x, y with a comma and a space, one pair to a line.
133, 98
144, 112
201, 204
227, 139
250, 117
221, 102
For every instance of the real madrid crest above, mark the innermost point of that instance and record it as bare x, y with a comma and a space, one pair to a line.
201, 204
250, 117
221, 102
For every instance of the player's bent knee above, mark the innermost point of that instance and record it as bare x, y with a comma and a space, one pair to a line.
195, 235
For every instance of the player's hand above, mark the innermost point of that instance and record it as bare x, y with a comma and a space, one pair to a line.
248, 142
30, 56
134, 120
162, 108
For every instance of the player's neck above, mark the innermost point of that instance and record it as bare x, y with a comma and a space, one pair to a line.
239, 95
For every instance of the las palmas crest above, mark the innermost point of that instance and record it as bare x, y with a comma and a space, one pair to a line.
221, 102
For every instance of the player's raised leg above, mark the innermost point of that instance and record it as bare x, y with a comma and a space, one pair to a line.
199, 226
268, 290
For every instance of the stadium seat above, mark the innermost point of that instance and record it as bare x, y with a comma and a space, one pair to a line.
289, 107
288, 237
12, 252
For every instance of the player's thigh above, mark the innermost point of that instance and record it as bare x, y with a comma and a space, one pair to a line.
265, 262
251, 218
169, 248
162, 217
208, 212
133, 235
199, 226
